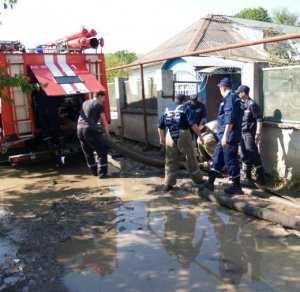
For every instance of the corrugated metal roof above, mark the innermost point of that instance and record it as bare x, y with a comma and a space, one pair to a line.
280, 28
174, 45
221, 33
215, 31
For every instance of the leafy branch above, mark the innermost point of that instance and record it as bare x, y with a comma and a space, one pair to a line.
7, 81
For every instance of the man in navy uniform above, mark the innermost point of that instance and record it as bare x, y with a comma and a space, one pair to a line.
198, 110
229, 134
175, 135
251, 136
91, 139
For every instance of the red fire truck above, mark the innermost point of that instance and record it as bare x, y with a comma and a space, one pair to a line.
32, 126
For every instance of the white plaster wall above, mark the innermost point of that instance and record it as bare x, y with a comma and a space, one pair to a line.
149, 72
134, 128
280, 151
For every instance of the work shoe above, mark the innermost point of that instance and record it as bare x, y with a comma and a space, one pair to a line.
248, 183
94, 170
167, 188
234, 189
103, 175
260, 177
198, 181
209, 186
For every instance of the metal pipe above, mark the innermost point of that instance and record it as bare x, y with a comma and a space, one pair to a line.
144, 104
212, 50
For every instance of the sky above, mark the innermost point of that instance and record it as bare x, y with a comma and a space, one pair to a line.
134, 25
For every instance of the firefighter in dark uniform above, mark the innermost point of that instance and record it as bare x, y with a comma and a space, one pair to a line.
198, 110
175, 136
91, 139
229, 134
251, 136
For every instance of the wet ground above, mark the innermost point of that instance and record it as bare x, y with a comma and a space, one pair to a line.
124, 234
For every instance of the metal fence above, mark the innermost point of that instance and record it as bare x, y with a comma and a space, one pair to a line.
281, 94
112, 96
134, 94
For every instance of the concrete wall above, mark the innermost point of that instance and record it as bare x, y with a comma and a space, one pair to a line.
119, 95
134, 127
132, 120
153, 71
281, 149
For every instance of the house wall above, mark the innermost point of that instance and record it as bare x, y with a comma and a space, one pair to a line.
134, 127
164, 82
149, 72
280, 150
129, 122
116, 93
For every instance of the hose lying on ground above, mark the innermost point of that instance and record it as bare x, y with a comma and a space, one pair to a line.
125, 151
261, 212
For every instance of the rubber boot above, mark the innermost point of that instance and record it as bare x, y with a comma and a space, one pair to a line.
248, 182
235, 187
260, 176
103, 171
211, 180
94, 170
167, 188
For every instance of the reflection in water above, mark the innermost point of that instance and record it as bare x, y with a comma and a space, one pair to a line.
157, 242
234, 259
178, 243
92, 254
179, 237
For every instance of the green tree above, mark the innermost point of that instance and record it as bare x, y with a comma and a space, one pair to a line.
256, 13
118, 58
284, 16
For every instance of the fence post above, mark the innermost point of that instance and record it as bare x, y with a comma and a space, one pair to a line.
144, 105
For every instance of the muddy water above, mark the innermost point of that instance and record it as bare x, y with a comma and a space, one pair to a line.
160, 242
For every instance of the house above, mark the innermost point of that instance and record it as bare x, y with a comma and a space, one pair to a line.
200, 74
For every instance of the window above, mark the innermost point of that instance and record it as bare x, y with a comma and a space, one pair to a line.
281, 94
67, 79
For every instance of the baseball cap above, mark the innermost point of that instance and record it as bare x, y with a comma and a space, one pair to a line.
243, 88
225, 82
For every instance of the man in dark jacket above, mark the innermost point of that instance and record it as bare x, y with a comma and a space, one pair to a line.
175, 135
229, 135
251, 136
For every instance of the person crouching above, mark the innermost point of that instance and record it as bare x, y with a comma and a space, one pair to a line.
175, 136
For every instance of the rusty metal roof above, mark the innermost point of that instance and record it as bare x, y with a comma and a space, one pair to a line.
218, 30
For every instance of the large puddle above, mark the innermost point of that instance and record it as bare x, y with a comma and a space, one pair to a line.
180, 243
159, 242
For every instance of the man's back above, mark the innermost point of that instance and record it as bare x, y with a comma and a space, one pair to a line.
90, 113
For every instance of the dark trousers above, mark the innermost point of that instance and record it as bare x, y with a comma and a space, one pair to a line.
91, 140
249, 151
226, 157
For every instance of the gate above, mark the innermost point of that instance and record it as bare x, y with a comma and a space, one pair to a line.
187, 87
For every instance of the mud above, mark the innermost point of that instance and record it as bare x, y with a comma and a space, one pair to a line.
67, 231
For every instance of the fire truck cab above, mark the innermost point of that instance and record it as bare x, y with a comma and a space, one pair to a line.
34, 126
